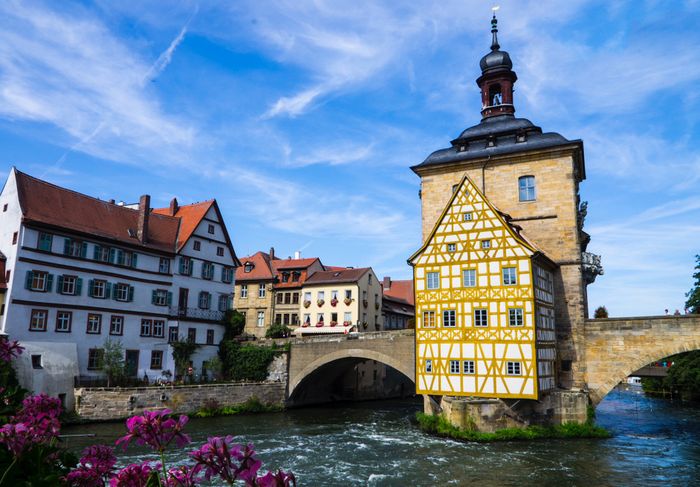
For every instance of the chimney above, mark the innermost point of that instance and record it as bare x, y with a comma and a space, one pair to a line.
144, 213
173, 206
386, 283
297, 254
272, 253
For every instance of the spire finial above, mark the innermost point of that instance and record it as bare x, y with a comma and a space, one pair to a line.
494, 30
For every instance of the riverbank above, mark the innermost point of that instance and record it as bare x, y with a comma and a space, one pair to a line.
439, 426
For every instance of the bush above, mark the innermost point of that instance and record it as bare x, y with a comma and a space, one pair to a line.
278, 331
234, 324
245, 362
601, 312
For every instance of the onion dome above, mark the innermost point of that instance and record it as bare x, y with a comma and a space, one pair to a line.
496, 59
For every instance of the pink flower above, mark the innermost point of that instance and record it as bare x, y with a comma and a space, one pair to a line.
279, 479
9, 350
230, 461
96, 465
16, 437
134, 475
35, 423
184, 476
155, 429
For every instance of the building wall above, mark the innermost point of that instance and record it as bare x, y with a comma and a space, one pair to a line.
550, 222
253, 304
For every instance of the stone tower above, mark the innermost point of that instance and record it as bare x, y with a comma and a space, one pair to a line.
532, 176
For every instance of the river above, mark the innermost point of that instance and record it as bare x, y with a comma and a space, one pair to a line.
655, 442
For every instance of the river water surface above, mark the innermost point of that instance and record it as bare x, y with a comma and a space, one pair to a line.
655, 442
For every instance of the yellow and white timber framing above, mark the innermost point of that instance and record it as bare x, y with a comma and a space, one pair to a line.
484, 305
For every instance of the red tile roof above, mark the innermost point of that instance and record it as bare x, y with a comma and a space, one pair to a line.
261, 268
189, 215
279, 264
401, 290
345, 275
48, 204
334, 268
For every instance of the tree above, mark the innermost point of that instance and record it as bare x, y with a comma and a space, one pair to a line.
601, 312
684, 375
693, 303
113, 361
182, 354
278, 331
234, 324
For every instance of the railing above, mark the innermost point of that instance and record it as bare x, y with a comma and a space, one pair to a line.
197, 313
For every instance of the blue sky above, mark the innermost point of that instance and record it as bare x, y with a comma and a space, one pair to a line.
302, 117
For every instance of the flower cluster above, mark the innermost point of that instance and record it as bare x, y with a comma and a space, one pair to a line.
96, 466
155, 429
36, 423
134, 475
9, 350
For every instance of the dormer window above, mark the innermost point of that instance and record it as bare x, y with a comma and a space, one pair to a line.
520, 137
248, 267
285, 277
462, 148
491, 141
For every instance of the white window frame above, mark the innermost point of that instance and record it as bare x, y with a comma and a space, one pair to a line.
469, 282
428, 366
468, 216
244, 291
454, 366
64, 321
451, 247
515, 317
261, 290
432, 280
261, 318
94, 324
510, 276
158, 328
69, 285
38, 320
121, 292
449, 318
514, 368
164, 265
102, 288
481, 320
486, 243
527, 188
146, 327
431, 315
116, 325
39, 280
468, 367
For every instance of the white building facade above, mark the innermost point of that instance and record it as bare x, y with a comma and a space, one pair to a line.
80, 271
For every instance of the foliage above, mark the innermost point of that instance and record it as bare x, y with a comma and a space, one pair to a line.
245, 362
113, 361
693, 302
214, 366
278, 331
252, 405
601, 312
234, 324
684, 375
441, 427
182, 354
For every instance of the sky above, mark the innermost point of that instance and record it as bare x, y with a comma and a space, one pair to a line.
302, 118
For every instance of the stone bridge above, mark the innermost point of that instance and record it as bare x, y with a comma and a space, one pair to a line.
613, 349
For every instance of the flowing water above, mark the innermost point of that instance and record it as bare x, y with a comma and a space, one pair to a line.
656, 442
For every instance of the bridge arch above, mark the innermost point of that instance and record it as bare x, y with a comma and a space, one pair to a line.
615, 348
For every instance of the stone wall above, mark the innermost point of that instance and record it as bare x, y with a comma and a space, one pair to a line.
102, 404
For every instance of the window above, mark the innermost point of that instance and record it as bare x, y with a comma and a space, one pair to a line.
220, 251
526, 186
210, 337
101, 253
123, 257
210, 229
296, 275
99, 289
307, 318
192, 335
248, 267
36, 362
172, 334
63, 321
158, 328
197, 245
285, 277
261, 318
207, 270
428, 366
295, 298
156, 359
321, 295
185, 266
481, 317
287, 298
449, 319
307, 296
295, 319
334, 317
261, 291
451, 247
146, 326
4, 208
70, 285
486, 244
348, 294
164, 265
122, 292
454, 366
244, 290
94, 324
515, 317
74, 248
319, 318
469, 277
428, 319
433, 280
38, 320
116, 325
95, 356
225, 302
14, 238
39, 281
347, 317
468, 367
510, 277
204, 300
160, 297
227, 274
467, 216
513, 368
45, 241
369, 279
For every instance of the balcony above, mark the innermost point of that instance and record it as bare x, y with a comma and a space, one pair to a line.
591, 267
196, 314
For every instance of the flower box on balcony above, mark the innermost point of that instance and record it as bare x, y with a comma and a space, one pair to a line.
334, 323
347, 301
306, 324
334, 302
320, 302
347, 323
307, 304
319, 324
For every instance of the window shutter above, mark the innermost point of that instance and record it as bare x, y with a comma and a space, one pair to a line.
59, 284
120, 257
66, 246
229, 302
133, 259
223, 273
170, 298
113, 255
78, 286
131, 293
154, 296
182, 265
49, 283
83, 250
96, 253
108, 289
91, 288
204, 267
28, 280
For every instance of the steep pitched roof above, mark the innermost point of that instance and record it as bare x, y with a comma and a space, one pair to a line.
262, 269
342, 276
402, 290
48, 204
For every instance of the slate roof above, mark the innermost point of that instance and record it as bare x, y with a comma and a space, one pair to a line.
341, 276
